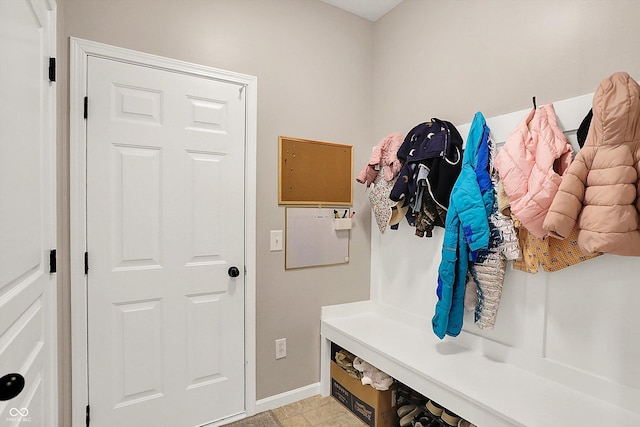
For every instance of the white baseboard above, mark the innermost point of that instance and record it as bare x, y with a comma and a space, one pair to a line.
227, 420
287, 397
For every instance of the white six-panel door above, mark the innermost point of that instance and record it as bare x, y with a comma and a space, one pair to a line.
165, 223
27, 213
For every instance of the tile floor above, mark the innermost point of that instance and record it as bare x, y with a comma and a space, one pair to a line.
316, 411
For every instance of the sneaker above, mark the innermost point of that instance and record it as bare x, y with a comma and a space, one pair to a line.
408, 418
428, 421
405, 409
434, 408
450, 419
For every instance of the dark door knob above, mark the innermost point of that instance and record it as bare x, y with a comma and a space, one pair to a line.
10, 386
233, 271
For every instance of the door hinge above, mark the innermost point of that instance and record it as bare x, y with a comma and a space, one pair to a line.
86, 106
52, 69
86, 263
52, 261
88, 419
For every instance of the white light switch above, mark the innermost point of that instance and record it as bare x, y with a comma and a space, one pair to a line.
276, 240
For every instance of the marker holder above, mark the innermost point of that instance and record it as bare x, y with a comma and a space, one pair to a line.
342, 224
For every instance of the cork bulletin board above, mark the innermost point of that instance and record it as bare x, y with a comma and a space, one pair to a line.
314, 172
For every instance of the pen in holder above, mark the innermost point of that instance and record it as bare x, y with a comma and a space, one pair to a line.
342, 223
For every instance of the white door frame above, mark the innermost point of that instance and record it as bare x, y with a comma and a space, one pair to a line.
79, 52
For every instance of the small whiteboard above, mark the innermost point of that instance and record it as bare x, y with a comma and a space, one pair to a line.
312, 240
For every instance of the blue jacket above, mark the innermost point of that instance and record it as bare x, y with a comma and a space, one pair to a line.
466, 230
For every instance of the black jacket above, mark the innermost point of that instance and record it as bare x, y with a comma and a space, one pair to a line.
438, 146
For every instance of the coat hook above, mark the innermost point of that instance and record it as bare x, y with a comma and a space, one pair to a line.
534, 103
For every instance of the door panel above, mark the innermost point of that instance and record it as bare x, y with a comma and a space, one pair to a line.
165, 220
137, 190
27, 213
137, 351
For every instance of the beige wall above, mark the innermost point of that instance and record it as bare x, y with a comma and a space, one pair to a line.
449, 59
325, 74
313, 63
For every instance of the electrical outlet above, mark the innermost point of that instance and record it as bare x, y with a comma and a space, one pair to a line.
281, 348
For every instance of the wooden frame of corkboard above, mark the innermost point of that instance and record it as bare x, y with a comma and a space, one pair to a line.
314, 172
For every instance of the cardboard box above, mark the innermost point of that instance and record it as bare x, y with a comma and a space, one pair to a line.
374, 407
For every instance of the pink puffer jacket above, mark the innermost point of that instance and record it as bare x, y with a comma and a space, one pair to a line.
531, 165
384, 154
601, 190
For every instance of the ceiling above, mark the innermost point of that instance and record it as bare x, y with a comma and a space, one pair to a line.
368, 9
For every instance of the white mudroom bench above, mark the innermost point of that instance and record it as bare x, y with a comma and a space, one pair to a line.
480, 388
565, 350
